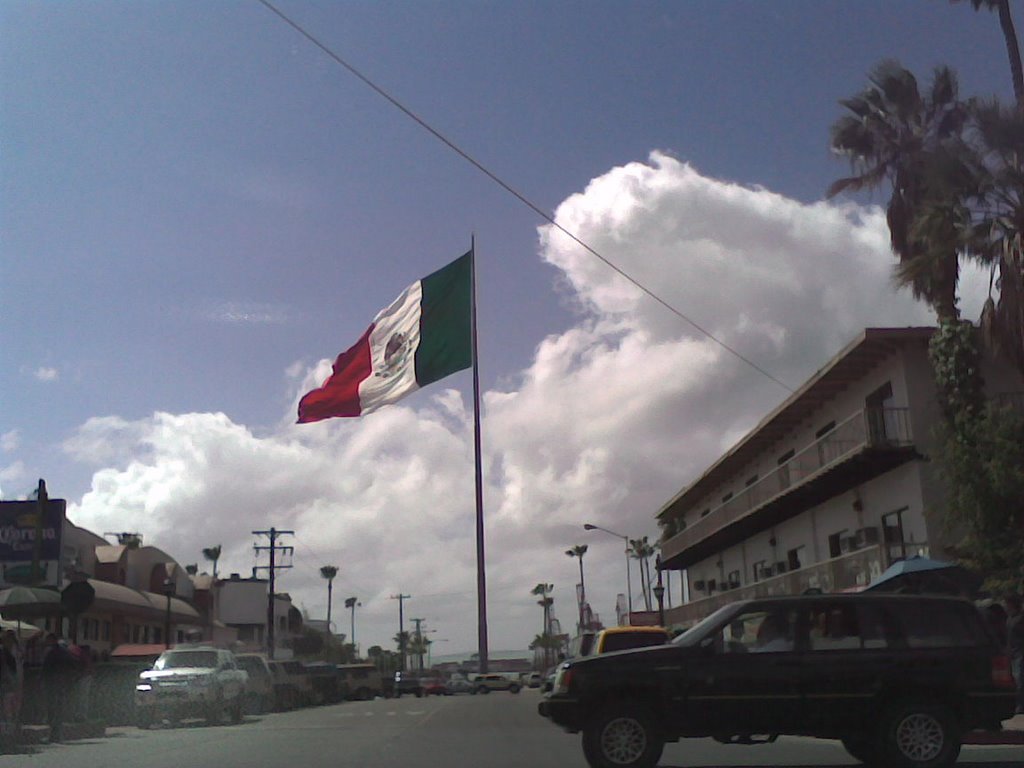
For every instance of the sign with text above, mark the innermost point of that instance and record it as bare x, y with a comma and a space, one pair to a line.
19, 526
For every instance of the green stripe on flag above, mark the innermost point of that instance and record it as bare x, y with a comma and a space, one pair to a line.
446, 344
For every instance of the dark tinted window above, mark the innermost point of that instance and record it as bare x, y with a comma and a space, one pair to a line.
846, 627
622, 641
929, 625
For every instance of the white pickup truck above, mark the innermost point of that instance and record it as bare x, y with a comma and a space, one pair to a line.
193, 681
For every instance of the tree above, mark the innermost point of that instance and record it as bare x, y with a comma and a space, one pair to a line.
1002, 8
642, 551
329, 572
545, 603
910, 142
213, 553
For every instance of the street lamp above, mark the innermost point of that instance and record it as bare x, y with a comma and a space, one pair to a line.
659, 593
579, 551
169, 590
629, 585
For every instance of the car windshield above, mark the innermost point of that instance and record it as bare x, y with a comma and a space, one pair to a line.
182, 659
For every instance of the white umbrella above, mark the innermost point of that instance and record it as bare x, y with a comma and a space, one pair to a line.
24, 631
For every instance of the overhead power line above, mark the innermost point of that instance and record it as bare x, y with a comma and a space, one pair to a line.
512, 190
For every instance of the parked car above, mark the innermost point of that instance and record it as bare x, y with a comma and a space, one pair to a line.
898, 678
362, 681
434, 686
495, 682
197, 681
533, 680
259, 690
459, 684
328, 686
292, 685
627, 638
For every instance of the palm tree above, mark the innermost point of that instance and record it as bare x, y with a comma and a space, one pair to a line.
578, 551
545, 603
329, 572
912, 142
1002, 8
213, 553
642, 550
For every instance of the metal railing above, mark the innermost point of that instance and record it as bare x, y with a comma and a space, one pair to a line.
870, 427
850, 571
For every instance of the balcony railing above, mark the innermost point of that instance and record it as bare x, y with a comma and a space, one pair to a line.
868, 428
846, 572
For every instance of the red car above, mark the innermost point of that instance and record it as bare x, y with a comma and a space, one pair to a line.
434, 686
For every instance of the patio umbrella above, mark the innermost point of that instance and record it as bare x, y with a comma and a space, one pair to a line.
27, 602
923, 575
23, 631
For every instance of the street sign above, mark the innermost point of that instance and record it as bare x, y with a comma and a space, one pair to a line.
18, 527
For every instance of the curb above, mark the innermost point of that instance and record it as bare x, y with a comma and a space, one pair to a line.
994, 737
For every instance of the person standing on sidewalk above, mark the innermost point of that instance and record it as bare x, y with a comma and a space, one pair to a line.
1015, 644
59, 669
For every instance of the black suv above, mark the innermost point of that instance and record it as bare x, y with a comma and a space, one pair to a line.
897, 678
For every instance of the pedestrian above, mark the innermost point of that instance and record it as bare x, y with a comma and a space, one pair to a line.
10, 686
59, 673
1015, 644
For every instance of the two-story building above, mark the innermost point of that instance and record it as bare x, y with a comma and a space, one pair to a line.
829, 489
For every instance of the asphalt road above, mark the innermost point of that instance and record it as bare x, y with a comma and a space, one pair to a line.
499, 730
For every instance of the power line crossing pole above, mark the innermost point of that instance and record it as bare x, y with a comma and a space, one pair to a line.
273, 548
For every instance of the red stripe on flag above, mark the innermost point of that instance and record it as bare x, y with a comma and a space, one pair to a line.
339, 395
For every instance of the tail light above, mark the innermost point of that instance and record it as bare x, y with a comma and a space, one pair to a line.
1002, 676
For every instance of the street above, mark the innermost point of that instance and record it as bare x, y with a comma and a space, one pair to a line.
499, 730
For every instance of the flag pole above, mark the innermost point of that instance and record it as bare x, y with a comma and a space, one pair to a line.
481, 578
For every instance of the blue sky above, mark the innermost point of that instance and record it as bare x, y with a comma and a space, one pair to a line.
197, 207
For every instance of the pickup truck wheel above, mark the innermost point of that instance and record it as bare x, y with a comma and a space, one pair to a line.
919, 735
419, 693
514, 689
483, 689
860, 748
236, 711
623, 735
215, 712
144, 719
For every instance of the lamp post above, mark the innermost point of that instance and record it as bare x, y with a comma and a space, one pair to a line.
169, 590
659, 592
629, 584
579, 551
351, 603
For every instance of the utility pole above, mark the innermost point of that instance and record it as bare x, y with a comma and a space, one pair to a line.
273, 548
419, 641
401, 627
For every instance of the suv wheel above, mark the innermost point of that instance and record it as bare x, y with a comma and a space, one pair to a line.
919, 735
622, 736
513, 689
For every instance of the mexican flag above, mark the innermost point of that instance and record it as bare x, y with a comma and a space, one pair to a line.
422, 337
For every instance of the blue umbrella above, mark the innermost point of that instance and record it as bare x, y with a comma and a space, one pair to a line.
922, 574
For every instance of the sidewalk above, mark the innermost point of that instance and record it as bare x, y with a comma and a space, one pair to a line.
1012, 733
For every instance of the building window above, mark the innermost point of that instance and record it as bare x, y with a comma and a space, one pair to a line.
733, 580
750, 481
835, 542
706, 512
793, 558
824, 446
758, 570
783, 471
727, 497
892, 529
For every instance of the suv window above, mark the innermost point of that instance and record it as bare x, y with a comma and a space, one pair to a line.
622, 641
846, 627
760, 631
939, 626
